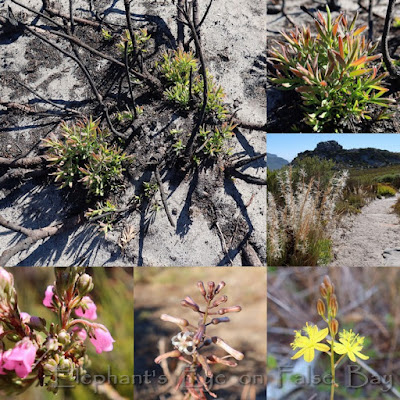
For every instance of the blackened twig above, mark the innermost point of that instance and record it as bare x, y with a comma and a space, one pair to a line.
245, 177
370, 20
130, 28
181, 26
129, 79
385, 48
70, 110
163, 196
25, 162
35, 235
23, 174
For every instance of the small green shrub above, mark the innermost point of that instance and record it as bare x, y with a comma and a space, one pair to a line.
141, 38
391, 179
176, 68
83, 156
332, 71
214, 140
385, 190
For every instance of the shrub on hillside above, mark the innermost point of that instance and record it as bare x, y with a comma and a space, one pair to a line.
385, 190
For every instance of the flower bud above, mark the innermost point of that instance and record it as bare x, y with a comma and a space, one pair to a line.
321, 308
64, 337
51, 344
211, 286
333, 305
216, 321
173, 354
178, 321
334, 325
328, 284
223, 311
234, 353
219, 301
194, 307
199, 334
200, 285
7, 291
219, 287
50, 366
85, 284
323, 291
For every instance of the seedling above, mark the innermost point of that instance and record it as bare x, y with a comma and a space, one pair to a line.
141, 38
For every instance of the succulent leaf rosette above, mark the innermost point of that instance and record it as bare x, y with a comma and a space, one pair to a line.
33, 350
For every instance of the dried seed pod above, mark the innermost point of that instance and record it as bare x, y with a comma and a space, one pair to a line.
225, 310
200, 285
213, 359
197, 338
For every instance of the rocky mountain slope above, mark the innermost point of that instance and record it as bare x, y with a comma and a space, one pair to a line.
353, 158
275, 162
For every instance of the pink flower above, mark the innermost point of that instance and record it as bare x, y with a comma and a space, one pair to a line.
2, 372
80, 332
25, 317
20, 358
48, 296
5, 277
101, 339
89, 309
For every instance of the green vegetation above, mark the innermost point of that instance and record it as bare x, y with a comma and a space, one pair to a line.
141, 39
180, 70
84, 157
385, 190
332, 71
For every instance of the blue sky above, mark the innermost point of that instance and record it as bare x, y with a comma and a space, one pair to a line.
288, 146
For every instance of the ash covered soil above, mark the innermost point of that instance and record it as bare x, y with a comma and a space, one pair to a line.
219, 219
284, 107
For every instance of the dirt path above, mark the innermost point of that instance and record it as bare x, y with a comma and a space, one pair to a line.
371, 238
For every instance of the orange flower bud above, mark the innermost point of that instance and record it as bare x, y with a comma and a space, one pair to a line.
334, 325
333, 305
321, 307
328, 284
323, 291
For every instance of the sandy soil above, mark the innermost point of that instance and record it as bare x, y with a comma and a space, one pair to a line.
235, 52
369, 239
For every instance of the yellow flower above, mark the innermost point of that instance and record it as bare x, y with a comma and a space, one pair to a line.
309, 344
350, 344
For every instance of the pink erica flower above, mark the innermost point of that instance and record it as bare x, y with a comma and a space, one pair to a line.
48, 296
88, 309
20, 358
101, 339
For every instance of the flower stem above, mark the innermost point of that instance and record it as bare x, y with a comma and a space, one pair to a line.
332, 370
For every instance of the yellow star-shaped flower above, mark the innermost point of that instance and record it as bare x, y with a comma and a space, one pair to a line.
350, 344
309, 344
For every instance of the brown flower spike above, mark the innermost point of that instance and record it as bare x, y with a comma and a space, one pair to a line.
191, 339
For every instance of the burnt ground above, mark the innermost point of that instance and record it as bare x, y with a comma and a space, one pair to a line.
281, 104
216, 215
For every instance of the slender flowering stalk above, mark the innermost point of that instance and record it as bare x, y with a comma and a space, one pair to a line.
49, 353
189, 342
350, 344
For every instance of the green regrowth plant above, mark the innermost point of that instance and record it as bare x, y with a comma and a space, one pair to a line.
106, 224
141, 38
180, 70
349, 344
333, 71
83, 156
213, 141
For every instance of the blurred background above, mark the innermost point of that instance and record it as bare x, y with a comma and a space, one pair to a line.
368, 303
113, 296
160, 290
